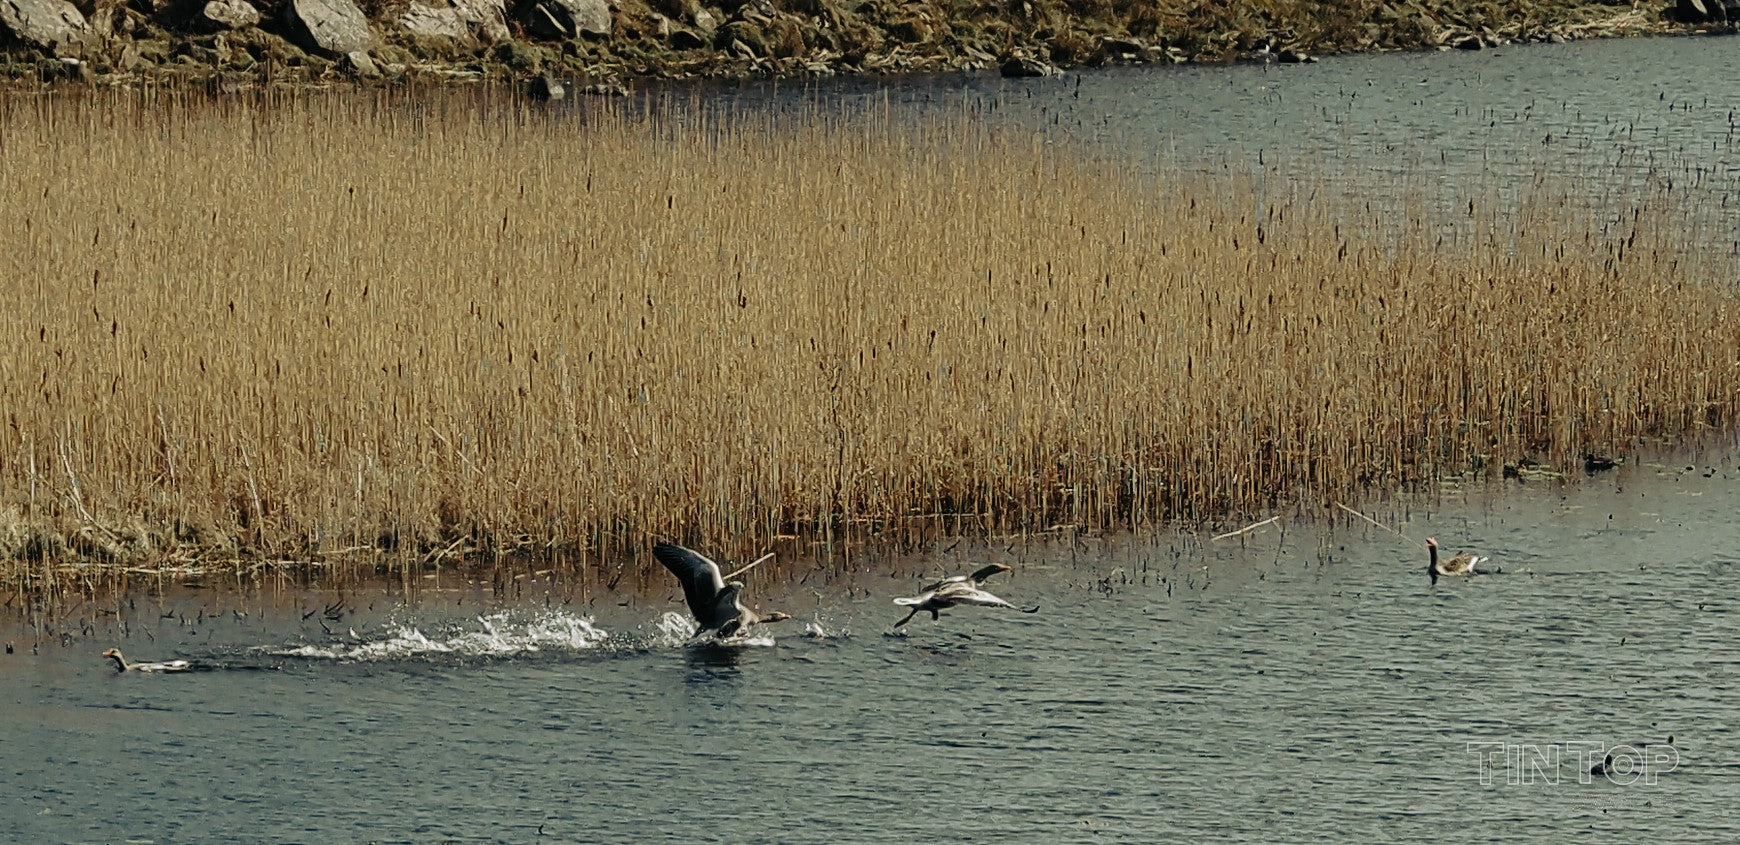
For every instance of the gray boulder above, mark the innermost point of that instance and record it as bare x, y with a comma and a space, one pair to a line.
437, 22
487, 18
46, 24
333, 27
568, 18
359, 63
465, 22
228, 14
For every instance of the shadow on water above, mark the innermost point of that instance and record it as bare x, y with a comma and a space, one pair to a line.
711, 663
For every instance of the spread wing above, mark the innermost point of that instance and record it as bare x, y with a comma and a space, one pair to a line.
699, 574
977, 578
968, 595
952, 579
917, 600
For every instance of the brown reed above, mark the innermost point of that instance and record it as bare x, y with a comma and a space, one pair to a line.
340, 336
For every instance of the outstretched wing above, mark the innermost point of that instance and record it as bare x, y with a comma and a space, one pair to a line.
978, 577
952, 579
699, 574
977, 598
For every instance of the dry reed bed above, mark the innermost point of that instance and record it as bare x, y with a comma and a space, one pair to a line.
378, 334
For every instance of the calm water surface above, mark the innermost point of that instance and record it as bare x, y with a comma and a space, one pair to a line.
1279, 688
1590, 108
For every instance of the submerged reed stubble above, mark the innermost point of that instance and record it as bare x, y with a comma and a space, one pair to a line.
333, 331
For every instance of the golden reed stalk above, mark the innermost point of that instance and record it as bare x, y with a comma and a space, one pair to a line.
378, 335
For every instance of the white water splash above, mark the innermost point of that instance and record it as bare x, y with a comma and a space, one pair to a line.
674, 629
496, 635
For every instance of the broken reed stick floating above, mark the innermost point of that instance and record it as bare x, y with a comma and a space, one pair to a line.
1374, 522
1247, 529
758, 561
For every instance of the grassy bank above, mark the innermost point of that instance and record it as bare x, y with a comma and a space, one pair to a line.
338, 339
155, 41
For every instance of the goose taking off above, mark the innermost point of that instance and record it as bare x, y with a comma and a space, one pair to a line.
714, 602
121, 664
957, 590
1462, 564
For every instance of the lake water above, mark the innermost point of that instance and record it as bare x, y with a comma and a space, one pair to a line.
1275, 687
1600, 107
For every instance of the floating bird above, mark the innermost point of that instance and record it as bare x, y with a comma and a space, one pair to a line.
1603, 768
714, 602
957, 590
1462, 564
121, 664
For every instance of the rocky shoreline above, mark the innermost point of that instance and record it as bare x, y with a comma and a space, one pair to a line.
603, 45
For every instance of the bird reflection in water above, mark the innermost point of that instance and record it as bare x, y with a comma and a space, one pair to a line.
710, 661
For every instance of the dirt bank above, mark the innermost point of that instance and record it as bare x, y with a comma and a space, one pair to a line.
603, 45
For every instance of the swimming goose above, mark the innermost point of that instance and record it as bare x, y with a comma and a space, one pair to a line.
714, 602
957, 590
121, 664
1462, 564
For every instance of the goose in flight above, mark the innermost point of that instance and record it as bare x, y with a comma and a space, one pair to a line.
957, 590
121, 664
1462, 564
714, 602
